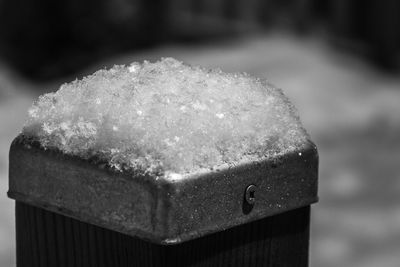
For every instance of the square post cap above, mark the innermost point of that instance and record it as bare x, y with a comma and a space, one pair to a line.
162, 210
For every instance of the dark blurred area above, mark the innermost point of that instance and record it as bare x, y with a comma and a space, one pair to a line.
45, 39
337, 60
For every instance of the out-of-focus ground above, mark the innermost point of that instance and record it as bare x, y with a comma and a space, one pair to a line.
351, 110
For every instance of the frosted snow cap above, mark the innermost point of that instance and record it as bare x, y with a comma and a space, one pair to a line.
166, 118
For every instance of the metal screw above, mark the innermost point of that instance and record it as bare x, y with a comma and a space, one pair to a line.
249, 195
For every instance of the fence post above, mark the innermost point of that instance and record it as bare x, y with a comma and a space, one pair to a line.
73, 212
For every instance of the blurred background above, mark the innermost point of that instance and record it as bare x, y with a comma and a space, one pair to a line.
337, 60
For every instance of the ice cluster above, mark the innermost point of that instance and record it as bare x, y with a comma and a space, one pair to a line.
166, 118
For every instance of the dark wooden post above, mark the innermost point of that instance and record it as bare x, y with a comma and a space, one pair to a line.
72, 212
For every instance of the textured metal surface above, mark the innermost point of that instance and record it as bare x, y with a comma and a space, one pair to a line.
157, 209
47, 239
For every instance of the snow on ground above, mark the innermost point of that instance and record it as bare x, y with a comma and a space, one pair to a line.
350, 110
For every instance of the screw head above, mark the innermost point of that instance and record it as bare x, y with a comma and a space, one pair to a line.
249, 194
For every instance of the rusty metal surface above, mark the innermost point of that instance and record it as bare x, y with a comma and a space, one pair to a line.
158, 209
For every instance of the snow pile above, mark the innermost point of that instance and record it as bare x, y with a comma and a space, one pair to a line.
166, 117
